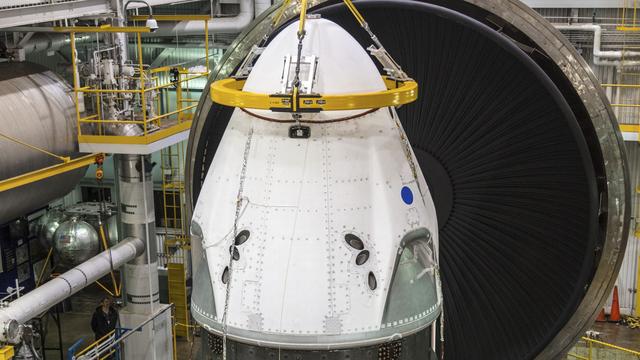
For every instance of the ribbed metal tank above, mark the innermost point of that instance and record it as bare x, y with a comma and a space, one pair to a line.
36, 107
523, 157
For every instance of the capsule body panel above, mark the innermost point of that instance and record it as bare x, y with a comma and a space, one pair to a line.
335, 235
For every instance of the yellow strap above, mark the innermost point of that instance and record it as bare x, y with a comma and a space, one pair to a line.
283, 8
294, 100
44, 267
303, 13
105, 244
65, 159
355, 12
104, 288
303, 16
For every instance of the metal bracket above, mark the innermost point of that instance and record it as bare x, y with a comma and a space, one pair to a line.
308, 69
299, 132
247, 65
390, 66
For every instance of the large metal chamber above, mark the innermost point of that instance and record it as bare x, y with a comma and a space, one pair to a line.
523, 157
36, 107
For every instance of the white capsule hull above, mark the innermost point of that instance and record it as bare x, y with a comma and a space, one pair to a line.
337, 234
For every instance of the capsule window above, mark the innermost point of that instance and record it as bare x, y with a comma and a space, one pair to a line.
233, 251
373, 282
196, 231
242, 237
354, 241
225, 275
362, 257
414, 284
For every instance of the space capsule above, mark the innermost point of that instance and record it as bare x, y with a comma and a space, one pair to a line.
323, 240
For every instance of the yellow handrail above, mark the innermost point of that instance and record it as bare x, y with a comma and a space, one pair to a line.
590, 342
616, 347
40, 174
64, 159
147, 82
95, 343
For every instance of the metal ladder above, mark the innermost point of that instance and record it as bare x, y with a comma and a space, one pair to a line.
176, 241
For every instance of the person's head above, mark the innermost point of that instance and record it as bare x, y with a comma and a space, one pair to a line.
106, 301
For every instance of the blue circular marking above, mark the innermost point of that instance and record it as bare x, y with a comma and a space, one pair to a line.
407, 195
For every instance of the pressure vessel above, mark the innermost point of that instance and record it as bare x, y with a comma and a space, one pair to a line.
36, 108
75, 241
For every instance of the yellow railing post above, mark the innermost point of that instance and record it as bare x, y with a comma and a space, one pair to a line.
206, 44
76, 81
179, 95
173, 328
99, 112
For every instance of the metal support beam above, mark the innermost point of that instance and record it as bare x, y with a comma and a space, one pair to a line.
42, 174
25, 15
162, 57
25, 12
25, 39
606, 4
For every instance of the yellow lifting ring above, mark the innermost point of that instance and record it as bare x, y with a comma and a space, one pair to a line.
229, 92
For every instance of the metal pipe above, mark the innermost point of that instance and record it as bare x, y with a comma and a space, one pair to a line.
41, 299
138, 220
598, 54
233, 24
140, 2
42, 42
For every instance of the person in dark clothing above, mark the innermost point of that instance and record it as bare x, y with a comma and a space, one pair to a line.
104, 319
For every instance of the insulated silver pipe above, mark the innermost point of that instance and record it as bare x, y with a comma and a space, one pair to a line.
232, 24
137, 215
44, 297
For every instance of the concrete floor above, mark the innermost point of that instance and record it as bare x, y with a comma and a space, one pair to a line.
613, 334
76, 325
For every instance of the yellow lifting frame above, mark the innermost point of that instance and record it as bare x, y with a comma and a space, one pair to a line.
229, 92
42, 174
